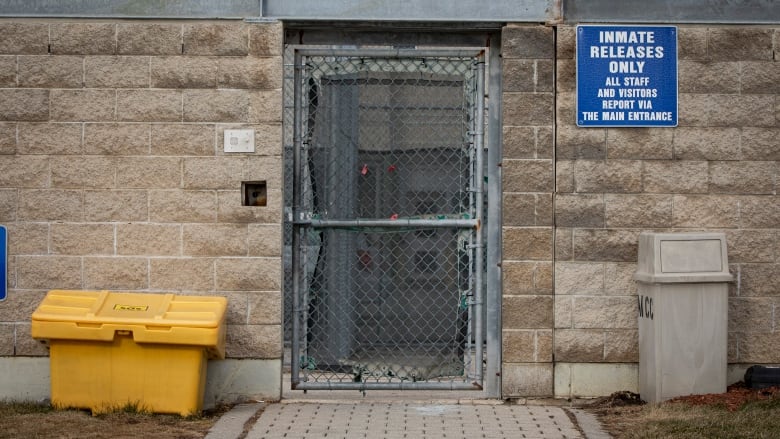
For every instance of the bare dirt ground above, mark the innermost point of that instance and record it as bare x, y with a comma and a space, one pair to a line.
735, 397
27, 420
740, 412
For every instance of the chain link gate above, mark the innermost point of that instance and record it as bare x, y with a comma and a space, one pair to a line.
383, 213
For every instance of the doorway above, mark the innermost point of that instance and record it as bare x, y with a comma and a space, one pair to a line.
384, 218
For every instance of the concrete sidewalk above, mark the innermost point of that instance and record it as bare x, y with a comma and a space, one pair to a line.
391, 419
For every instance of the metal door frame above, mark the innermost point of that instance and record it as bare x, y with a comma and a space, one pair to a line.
488, 117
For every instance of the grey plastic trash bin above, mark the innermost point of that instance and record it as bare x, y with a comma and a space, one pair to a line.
683, 304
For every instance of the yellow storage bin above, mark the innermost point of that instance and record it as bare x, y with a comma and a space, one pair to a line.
109, 350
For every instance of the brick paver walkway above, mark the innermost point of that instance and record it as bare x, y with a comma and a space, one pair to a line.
397, 420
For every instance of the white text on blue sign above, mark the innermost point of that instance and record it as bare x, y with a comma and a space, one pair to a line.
626, 76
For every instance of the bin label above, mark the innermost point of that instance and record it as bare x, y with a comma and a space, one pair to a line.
119, 307
626, 76
3, 262
645, 306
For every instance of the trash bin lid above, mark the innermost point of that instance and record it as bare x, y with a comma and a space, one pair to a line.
154, 318
682, 258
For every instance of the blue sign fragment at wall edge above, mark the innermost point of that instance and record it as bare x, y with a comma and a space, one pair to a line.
3, 262
627, 76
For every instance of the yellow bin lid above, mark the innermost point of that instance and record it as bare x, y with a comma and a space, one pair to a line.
151, 318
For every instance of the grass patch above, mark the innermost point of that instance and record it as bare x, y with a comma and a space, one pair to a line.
129, 408
764, 404
753, 418
9, 408
36, 420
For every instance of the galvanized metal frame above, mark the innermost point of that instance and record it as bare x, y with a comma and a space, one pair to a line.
672, 11
423, 11
169, 9
493, 295
387, 53
479, 148
399, 34
401, 222
297, 190
299, 260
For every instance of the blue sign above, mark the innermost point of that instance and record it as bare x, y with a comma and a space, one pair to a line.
3, 262
626, 76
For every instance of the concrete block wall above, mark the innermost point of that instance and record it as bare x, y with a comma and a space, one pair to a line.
528, 183
113, 175
717, 171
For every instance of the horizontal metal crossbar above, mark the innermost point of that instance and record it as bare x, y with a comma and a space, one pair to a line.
428, 10
390, 53
401, 222
420, 385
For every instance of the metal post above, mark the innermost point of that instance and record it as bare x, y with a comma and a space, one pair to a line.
471, 245
297, 266
494, 283
479, 139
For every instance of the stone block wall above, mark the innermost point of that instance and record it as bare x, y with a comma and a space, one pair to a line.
113, 175
717, 171
528, 180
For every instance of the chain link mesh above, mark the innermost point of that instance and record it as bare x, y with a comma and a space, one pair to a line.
381, 138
